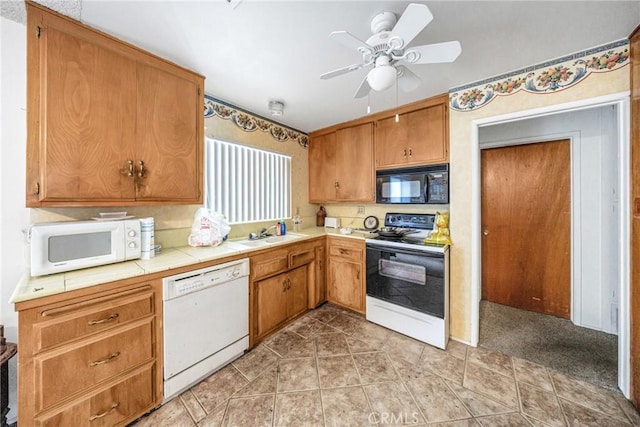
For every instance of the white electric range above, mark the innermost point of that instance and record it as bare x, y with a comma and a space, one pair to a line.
408, 279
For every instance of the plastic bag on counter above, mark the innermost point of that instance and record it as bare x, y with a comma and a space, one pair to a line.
208, 229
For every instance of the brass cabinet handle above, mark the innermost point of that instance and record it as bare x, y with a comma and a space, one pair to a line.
343, 251
284, 285
105, 413
404, 153
111, 318
337, 184
410, 152
141, 170
111, 358
128, 170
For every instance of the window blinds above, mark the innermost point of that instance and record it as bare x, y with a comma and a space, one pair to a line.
246, 184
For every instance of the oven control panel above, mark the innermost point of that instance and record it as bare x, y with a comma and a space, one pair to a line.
420, 221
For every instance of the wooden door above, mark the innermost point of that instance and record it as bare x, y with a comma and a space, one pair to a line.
169, 142
271, 303
87, 98
391, 142
297, 291
322, 168
426, 142
526, 227
354, 164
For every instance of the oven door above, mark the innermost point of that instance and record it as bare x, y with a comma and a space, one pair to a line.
410, 278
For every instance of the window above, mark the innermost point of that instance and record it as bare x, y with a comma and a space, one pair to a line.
246, 184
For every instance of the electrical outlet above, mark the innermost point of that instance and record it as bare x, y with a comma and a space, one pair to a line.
360, 210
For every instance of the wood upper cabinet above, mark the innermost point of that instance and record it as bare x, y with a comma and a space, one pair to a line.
108, 124
355, 180
341, 165
322, 168
419, 137
346, 273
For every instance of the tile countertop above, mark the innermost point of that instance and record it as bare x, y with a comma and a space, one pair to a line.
36, 287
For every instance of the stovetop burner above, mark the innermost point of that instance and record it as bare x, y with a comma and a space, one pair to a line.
407, 230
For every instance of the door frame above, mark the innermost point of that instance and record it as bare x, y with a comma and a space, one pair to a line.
621, 101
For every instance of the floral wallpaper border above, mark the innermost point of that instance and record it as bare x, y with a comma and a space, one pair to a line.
249, 122
547, 77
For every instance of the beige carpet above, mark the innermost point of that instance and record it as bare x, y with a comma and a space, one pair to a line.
550, 341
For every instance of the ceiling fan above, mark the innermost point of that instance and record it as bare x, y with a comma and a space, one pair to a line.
389, 45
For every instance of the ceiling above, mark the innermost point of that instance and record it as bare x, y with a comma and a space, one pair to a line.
253, 51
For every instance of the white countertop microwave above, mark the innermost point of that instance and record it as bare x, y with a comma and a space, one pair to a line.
64, 246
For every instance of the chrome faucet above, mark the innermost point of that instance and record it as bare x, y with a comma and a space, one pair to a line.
262, 233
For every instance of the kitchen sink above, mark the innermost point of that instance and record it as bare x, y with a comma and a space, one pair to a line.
258, 243
285, 238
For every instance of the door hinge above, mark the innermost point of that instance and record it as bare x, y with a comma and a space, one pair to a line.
198, 91
38, 31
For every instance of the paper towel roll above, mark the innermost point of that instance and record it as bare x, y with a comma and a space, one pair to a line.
147, 238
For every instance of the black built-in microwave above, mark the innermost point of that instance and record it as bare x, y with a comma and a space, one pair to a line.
419, 185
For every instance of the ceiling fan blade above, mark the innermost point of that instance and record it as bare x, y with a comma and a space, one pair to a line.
341, 71
433, 53
407, 79
351, 41
413, 20
363, 89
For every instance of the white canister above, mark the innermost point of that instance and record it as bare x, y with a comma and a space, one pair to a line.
147, 238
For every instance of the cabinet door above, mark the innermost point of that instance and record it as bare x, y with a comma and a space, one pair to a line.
354, 164
391, 142
297, 291
345, 283
271, 303
320, 286
169, 139
322, 168
426, 142
86, 101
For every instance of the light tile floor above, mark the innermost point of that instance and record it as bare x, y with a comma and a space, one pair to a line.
333, 368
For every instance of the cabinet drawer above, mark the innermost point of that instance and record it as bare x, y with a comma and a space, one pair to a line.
113, 406
79, 320
269, 263
62, 373
353, 254
301, 256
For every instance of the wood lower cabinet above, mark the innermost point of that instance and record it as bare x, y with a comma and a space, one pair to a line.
90, 360
285, 282
108, 124
418, 138
346, 273
341, 165
319, 293
279, 299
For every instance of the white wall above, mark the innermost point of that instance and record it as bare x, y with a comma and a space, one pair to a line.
594, 152
14, 217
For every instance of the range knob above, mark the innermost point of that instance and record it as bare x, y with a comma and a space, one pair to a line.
132, 244
132, 233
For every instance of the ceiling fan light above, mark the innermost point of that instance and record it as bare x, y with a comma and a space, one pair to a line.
382, 77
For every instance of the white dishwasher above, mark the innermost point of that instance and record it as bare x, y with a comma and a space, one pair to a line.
206, 322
